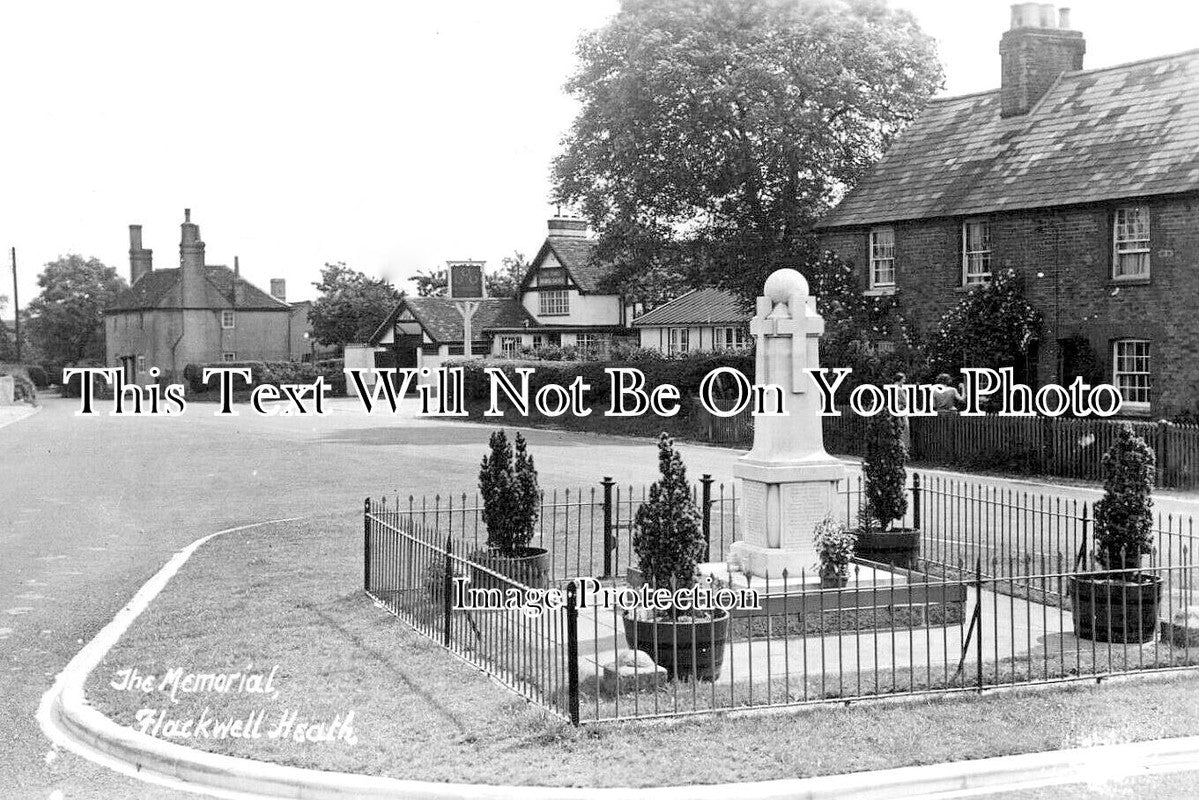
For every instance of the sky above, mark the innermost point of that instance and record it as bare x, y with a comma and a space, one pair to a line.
393, 136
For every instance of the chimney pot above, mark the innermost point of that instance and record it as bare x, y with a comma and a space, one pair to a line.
1063, 18
187, 215
1034, 53
568, 226
141, 260
279, 289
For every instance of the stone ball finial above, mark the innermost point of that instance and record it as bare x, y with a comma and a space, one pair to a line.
783, 284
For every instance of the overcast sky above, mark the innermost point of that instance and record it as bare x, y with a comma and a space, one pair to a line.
389, 135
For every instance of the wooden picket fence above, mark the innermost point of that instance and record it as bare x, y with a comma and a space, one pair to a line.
1060, 447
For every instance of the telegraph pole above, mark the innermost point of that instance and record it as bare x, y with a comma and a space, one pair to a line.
16, 305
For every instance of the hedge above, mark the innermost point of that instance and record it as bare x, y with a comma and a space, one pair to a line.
273, 373
686, 373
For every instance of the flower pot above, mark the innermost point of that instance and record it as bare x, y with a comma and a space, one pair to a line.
530, 567
831, 579
899, 547
1116, 607
685, 649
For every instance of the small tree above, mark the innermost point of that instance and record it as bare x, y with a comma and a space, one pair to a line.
993, 326
527, 494
508, 484
886, 478
1124, 516
667, 534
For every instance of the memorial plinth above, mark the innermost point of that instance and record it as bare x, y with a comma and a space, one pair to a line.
789, 481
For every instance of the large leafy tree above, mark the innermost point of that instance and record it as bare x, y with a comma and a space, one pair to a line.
730, 125
351, 305
66, 319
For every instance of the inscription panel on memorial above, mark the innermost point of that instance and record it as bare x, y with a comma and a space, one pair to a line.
753, 513
804, 505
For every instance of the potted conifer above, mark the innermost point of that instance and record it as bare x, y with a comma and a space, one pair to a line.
508, 483
1120, 603
668, 540
881, 536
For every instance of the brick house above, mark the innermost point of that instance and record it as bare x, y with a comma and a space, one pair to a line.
1084, 181
198, 313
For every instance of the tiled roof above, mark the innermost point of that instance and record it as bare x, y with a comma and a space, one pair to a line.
439, 317
577, 256
697, 307
160, 289
1104, 134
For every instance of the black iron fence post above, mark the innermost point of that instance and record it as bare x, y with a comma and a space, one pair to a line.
1080, 558
366, 544
916, 500
978, 588
609, 539
447, 588
572, 651
1162, 451
706, 482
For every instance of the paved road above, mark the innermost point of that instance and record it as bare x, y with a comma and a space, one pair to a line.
91, 507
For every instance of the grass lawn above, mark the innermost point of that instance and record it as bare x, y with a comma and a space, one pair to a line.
289, 596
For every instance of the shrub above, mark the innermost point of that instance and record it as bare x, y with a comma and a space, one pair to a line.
1124, 515
886, 499
834, 546
508, 483
667, 536
38, 375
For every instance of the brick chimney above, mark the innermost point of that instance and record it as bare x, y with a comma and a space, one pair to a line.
141, 260
279, 289
570, 227
191, 263
1036, 50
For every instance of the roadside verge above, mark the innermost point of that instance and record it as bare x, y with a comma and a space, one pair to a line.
71, 722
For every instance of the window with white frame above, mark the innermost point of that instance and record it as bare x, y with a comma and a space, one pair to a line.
141, 363
555, 303
228, 357
677, 340
589, 343
732, 338
1130, 372
882, 257
509, 346
976, 252
1130, 242
228, 320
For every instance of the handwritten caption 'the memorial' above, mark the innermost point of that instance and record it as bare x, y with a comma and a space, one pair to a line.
177, 684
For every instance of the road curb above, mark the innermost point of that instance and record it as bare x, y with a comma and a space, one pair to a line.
69, 721
32, 410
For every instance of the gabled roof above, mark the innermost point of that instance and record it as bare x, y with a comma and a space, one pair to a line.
698, 307
440, 320
577, 255
161, 288
1096, 135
